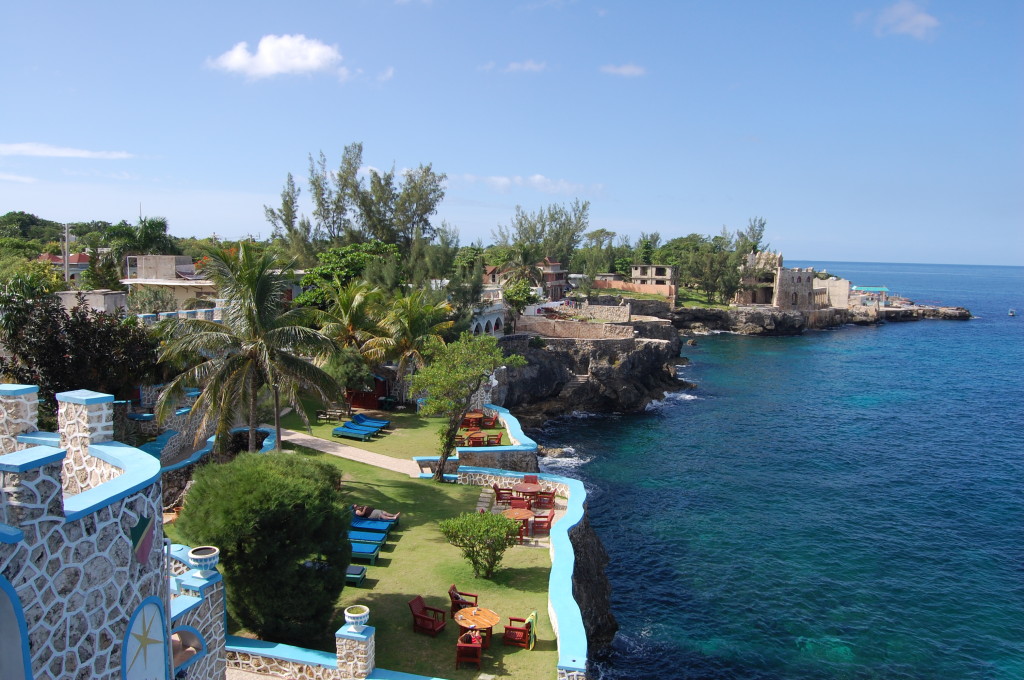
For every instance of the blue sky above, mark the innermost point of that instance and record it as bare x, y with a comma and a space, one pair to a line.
889, 130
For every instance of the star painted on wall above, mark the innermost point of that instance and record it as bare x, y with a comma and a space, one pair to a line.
144, 640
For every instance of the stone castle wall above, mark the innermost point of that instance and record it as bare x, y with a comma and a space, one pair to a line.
74, 569
80, 425
555, 328
617, 313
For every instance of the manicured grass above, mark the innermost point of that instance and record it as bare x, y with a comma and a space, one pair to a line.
410, 434
417, 560
688, 297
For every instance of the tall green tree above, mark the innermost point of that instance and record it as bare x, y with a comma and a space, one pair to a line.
340, 265
454, 372
292, 231
518, 294
259, 344
556, 229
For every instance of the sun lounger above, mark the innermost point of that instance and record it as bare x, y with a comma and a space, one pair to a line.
371, 422
365, 551
373, 537
378, 525
364, 428
352, 434
352, 508
355, 574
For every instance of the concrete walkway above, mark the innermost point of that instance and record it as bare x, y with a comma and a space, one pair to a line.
406, 467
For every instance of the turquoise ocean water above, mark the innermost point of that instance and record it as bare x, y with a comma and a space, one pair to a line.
843, 504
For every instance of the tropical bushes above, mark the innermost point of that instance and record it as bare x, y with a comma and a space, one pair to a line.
483, 538
281, 524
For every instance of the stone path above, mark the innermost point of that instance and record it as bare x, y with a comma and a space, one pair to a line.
340, 450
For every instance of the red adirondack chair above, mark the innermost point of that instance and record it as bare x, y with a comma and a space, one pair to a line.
469, 649
429, 620
502, 496
461, 600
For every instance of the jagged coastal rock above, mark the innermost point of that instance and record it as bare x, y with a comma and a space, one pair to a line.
590, 375
590, 586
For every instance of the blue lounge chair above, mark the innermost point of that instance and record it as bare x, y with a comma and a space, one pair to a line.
365, 551
361, 428
355, 574
373, 537
370, 422
377, 525
351, 434
352, 509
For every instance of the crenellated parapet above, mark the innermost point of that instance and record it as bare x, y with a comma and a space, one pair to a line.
85, 417
19, 413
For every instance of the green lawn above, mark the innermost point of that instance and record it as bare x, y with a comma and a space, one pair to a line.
418, 561
411, 434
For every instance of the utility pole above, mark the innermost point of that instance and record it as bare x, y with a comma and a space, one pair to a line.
67, 275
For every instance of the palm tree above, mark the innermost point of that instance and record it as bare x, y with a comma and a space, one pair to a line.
411, 323
351, 316
259, 343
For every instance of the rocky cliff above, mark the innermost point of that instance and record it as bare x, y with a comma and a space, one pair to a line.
590, 587
742, 320
599, 376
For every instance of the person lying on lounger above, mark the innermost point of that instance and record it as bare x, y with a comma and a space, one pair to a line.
367, 512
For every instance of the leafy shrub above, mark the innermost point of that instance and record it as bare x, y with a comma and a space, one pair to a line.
483, 538
270, 515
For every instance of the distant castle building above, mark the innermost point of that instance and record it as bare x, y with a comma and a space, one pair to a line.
767, 282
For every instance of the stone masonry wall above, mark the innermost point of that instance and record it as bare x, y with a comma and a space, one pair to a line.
80, 425
18, 415
208, 618
618, 313
552, 328
80, 582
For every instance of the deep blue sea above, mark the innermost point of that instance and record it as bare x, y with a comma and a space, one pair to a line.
845, 504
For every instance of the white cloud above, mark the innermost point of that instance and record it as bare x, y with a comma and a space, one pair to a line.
905, 17
50, 151
537, 182
16, 178
626, 70
277, 54
489, 66
387, 74
529, 65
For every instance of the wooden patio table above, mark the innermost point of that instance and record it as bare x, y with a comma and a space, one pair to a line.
526, 488
477, 618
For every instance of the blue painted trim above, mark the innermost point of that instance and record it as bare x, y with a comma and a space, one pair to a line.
14, 390
183, 604
277, 650
163, 626
384, 674
199, 654
9, 534
515, 431
141, 416
84, 397
39, 438
346, 633
432, 459
139, 470
269, 444
30, 458
572, 637
19, 616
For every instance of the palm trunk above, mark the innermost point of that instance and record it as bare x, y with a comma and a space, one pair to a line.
252, 415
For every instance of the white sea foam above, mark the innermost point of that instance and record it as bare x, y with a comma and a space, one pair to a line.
671, 398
